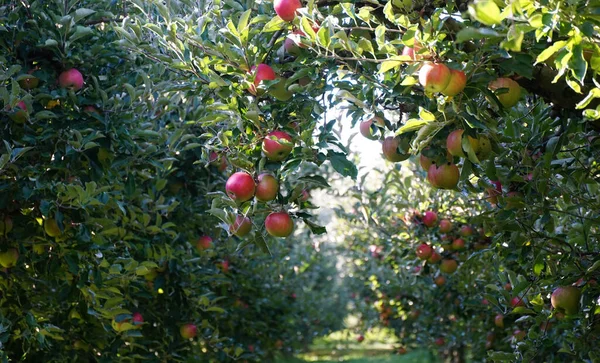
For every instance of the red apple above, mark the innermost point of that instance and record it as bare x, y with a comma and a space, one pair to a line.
443, 177
458, 81
218, 160
279, 224
19, 114
458, 244
277, 145
440, 341
448, 266
485, 302
370, 129
304, 196
445, 226
434, 77
267, 187
499, 321
566, 299
390, 150
510, 98
519, 334
425, 162
466, 231
188, 331
286, 9
203, 243
417, 269
454, 143
430, 218
72, 79
262, 72
424, 251
435, 257
240, 186
137, 318
508, 286
360, 338
224, 266
241, 227
516, 301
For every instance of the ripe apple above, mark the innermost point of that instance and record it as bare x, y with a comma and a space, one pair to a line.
440, 341
445, 226
458, 244
6, 226
292, 43
566, 299
218, 160
360, 338
279, 224
370, 129
435, 257
19, 113
425, 162
466, 231
390, 149
401, 350
203, 243
499, 321
443, 177
516, 301
430, 218
51, 227
267, 187
417, 269
286, 9
440, 281
519, 334
188, 331
304, 196
277, 145
510, 98
458, 81
424, 251
508, 286
240, 186
72, 79
262, 72
448, 266
454, 143
224, 266
241, 227
485, 302
9, 258
137, 318
434, 77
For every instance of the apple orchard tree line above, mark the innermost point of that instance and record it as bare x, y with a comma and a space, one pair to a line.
120, 119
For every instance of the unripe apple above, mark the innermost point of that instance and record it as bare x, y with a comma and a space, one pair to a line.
279, 224
430, 218
29, 82
510, 98
466, 231
458, 244
499, 321
566, 299
445, 226
6, 225
286, 9
277, 145
435, 257
448, 266
445, 176
241, 227
457, 83
390, 150
484, 147
51, 227
9, 258
72, 79
369, 128
516, 301
267, 187
424, 251
188, 331
203, 243
434, 77
240, 186
262, 72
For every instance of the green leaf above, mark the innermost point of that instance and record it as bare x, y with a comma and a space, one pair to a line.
259, 241
485, 12
412, 125
548, 52
342, 165
314, 228
471, 33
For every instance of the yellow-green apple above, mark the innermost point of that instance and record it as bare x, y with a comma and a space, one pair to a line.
484, 147
29, 82
277, 145
71, 78
279, 224
6, 225
458, 244
9, 258
448, 266
150, 276
457, 83
188, 331
286, 9
435, 257
566, 299
499, 321
203, 243
434, 77
262, 72
390, 149
267, 187
466, 231
370, 128
240, 186
445, 226
510, 98
430, 218
241, 226
51, 227
424, 251
444, 176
